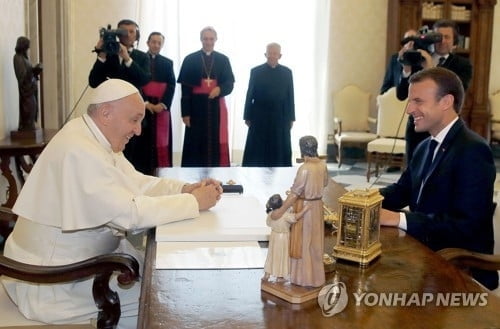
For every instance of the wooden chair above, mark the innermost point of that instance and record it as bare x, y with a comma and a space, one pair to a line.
466, 259
100, 268
351, 118
388, 149
7, 221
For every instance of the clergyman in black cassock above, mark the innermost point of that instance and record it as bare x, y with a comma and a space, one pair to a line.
158, 94
269, 113
206, 77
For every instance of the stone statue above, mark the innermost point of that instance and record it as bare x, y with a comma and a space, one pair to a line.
27, 81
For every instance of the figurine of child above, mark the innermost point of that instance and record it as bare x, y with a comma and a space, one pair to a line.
279, 219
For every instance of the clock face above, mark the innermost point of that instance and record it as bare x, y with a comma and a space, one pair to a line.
352, 221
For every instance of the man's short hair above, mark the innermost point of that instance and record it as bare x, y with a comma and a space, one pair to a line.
156, 33
208, 28
448, 23
447, 81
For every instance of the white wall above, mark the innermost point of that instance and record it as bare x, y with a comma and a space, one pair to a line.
495, 52
357, 47
85, 19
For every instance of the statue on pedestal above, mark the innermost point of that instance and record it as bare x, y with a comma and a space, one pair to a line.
27, 81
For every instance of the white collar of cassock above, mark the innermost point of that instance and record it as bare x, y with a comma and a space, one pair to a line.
96, 132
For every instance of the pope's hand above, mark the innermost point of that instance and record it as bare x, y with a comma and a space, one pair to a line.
207, 195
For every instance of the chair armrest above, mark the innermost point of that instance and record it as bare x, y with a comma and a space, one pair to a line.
100, 267
464, 258
337, 125
7, 221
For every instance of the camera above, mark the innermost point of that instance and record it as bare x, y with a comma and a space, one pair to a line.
424, 40
110, 38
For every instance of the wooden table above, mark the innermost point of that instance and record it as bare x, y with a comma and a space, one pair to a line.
233, 299
18, 149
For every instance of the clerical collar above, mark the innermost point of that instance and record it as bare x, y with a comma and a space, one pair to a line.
151, 54
208, 53
96, 132
130, 50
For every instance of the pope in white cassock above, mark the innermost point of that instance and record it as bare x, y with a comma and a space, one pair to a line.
80, 198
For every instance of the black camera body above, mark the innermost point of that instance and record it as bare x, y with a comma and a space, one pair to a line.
110, 38
423, 40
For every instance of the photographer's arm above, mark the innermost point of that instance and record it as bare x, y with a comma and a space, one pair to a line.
97, 74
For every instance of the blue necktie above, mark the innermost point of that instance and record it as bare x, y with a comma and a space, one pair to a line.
430, 156
427, 164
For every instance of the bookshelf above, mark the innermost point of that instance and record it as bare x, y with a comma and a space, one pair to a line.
474, 19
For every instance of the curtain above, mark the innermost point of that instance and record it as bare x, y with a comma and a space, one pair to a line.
244, 29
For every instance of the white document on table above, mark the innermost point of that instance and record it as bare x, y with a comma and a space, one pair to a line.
234, 218
210, 255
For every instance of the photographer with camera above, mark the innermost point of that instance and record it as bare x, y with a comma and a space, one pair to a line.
394, 68
117, 58
429, 50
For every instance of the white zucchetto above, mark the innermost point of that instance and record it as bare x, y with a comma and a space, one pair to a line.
112, 90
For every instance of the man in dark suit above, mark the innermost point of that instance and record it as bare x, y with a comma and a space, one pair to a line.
131, 65
393, 72
442, 56
451, 200
158, 94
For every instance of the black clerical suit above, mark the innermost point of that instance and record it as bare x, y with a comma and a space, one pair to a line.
139, 149
270, 109
461, 66
455, 206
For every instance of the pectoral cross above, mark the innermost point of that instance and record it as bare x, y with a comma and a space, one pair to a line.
208, 81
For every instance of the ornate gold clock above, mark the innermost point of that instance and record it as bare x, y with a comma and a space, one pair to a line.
359, 230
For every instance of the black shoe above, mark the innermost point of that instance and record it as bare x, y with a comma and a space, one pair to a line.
392, 169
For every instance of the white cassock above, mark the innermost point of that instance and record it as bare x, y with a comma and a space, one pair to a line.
77, 202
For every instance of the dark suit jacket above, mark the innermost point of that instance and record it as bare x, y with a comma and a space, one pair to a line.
137, 74
455, 208
392, 74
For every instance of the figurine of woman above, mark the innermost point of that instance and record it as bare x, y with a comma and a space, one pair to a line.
307, 235
27, 79
279, 219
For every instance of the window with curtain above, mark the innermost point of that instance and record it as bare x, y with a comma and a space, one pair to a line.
244, 29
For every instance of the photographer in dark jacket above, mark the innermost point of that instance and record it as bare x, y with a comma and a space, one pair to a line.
443, 57
133, 66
